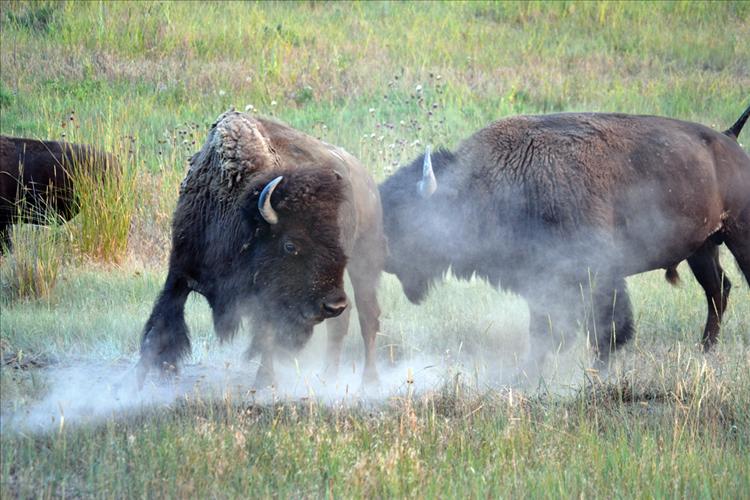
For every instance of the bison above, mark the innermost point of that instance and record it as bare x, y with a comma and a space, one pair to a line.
267, 220
561, 208
36, 180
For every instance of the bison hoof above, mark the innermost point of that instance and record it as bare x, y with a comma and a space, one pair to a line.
371, 385
264, 379
370, 378
331, 372
600, 368
707, 345
167, 371
531, 372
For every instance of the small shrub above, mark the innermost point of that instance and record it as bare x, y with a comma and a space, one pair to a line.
34, 16
32, 268
303, 95
6, 96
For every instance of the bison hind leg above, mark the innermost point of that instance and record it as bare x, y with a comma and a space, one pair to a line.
709, 274
737, 239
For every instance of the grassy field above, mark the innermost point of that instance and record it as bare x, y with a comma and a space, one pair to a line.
381, 80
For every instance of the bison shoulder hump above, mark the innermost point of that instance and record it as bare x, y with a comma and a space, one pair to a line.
236, 148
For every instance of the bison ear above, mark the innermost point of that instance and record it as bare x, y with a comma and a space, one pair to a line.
338, 174
427, 186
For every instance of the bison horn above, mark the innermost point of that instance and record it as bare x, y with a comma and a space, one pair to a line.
427, 186
264, 202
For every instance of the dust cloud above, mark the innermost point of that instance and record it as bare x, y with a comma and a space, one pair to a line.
91, 392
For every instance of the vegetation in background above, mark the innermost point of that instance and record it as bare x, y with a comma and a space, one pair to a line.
106, 198
381, 79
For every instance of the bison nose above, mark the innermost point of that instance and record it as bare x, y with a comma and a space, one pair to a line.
332, 308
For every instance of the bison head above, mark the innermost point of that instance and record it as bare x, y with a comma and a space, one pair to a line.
416, 219
296, 251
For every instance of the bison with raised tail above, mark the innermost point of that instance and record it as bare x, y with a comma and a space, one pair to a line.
267, 220
561, 208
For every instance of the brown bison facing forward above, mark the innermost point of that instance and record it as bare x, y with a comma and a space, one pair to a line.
266, 222
561, 208
36, 180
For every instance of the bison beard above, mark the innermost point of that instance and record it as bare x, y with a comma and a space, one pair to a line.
561, 208
262, 230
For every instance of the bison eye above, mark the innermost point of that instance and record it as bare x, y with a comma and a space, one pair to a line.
290, 248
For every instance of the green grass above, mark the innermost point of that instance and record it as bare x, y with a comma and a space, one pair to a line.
171, 64
669, 421
428, 447
144, 79
32, 269
106, 197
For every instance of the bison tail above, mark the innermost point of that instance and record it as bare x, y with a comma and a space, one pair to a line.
672, 276
734, 130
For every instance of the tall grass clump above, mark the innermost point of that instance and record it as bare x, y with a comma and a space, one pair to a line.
106, 196
32, 269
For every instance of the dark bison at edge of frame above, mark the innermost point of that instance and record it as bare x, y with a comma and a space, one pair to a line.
545, 205
36, 180
266, 222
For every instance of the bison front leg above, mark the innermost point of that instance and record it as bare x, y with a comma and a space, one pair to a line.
227, 319
555, 311
263, 344
552, 328
266, 376
365, 283
612, 316
337, 329
165, 337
